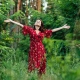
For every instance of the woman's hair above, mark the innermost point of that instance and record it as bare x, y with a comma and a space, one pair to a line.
41, 27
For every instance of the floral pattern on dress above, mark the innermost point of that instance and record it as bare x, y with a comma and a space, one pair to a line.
37, 53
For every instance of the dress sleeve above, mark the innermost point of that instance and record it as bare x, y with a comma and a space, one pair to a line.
26, 30
48, 33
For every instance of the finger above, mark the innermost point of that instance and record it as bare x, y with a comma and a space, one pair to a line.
65, 25
4, 20
68, 27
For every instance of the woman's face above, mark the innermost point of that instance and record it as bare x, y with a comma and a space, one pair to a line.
37, 24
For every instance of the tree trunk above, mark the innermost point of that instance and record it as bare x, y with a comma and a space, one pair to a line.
19, 5
39, 5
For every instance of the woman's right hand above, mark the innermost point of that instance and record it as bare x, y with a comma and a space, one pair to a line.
8, 20
17, 23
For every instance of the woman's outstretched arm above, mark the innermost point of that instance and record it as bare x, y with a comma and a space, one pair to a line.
63, 27
9, 20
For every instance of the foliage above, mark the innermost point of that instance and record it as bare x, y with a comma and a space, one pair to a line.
60, 65
6, 38
63, 56
70, 9
66, 11
5, 7
77, 30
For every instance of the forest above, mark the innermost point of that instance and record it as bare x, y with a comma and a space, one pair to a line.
62, 49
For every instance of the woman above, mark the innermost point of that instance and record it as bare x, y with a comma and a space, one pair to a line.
37, 58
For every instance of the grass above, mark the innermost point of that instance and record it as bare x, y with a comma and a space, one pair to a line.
18, 71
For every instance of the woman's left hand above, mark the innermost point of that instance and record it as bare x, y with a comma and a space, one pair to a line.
66, 26
8, 20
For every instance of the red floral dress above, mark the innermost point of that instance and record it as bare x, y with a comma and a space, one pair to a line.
37, 58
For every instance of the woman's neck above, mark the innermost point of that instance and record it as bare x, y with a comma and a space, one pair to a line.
37, 30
